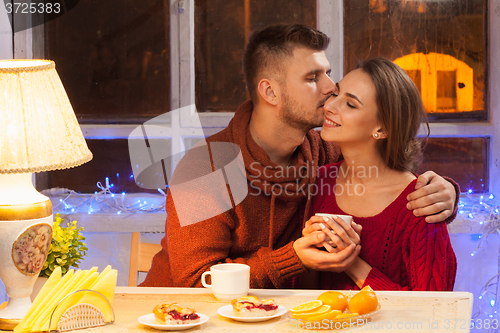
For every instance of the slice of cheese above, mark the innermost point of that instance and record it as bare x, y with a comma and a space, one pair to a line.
70, 301
51, 282
106, 286
32, 318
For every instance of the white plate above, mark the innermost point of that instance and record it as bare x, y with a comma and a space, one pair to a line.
149, 320
227, 311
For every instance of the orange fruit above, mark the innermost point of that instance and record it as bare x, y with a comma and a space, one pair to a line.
363, 302
336, 299
306, 307
316, 312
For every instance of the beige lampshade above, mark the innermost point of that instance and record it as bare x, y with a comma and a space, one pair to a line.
38, 128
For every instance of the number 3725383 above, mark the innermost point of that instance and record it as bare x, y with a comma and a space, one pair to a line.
32, 8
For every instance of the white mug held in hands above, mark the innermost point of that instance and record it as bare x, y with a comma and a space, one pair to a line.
229, 280
346, 218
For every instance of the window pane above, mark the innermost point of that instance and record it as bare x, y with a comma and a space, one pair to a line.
111, 159
113, 58
441, 45
221, 32
465, 160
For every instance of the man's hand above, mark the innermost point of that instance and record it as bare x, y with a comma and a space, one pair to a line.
433, 196
315, 259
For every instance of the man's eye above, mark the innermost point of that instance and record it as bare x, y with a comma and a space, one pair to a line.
334, 94
312, 79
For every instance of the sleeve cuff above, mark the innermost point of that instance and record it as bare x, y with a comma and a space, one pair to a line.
285, 265
379, 281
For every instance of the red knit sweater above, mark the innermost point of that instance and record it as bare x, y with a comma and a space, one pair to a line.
406, 253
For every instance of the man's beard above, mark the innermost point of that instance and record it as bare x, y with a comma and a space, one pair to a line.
292, 115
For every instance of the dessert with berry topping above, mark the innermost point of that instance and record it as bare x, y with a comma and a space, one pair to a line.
173, 314
251, 306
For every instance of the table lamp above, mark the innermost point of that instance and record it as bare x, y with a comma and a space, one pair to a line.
38, 132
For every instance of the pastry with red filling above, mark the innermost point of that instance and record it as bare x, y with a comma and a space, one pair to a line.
173, 314
251, 306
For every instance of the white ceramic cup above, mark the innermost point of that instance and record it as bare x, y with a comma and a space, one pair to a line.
229, 280
346, 218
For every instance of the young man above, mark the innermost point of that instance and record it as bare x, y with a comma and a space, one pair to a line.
287, 75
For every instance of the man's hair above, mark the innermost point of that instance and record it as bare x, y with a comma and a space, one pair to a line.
400, 111
269, 47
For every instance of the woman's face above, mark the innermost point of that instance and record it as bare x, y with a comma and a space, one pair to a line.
351, 112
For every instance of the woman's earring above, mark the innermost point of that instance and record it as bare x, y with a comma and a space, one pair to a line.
376, 135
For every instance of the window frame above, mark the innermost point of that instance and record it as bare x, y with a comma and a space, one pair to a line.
30, 44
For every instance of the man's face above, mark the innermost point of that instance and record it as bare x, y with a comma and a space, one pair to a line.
306, 87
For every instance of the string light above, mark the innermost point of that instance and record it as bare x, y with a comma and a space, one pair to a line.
483, 205
104, 199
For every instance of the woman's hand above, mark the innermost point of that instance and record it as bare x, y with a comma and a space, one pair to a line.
339, 234
311, 257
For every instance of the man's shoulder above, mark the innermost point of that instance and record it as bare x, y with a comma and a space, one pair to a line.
221, 136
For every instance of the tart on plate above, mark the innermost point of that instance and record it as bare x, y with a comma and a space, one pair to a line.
173, 314
251, 306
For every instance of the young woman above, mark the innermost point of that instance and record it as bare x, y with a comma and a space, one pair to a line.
374, 115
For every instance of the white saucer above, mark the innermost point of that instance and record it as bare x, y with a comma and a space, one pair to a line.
149, 320
227, 311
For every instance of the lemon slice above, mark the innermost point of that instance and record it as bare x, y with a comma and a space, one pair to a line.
327, 315
306, 307
319, 311
346, 315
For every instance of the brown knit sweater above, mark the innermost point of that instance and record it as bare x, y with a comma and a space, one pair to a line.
260, 230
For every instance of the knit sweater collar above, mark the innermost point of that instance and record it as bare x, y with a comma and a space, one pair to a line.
293, 183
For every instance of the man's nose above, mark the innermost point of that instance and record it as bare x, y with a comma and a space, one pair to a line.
331, 105
329, 86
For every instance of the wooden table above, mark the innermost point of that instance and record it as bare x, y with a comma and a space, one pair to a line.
410, 311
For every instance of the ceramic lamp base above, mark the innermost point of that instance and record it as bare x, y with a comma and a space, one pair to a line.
8, 315
24, 245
